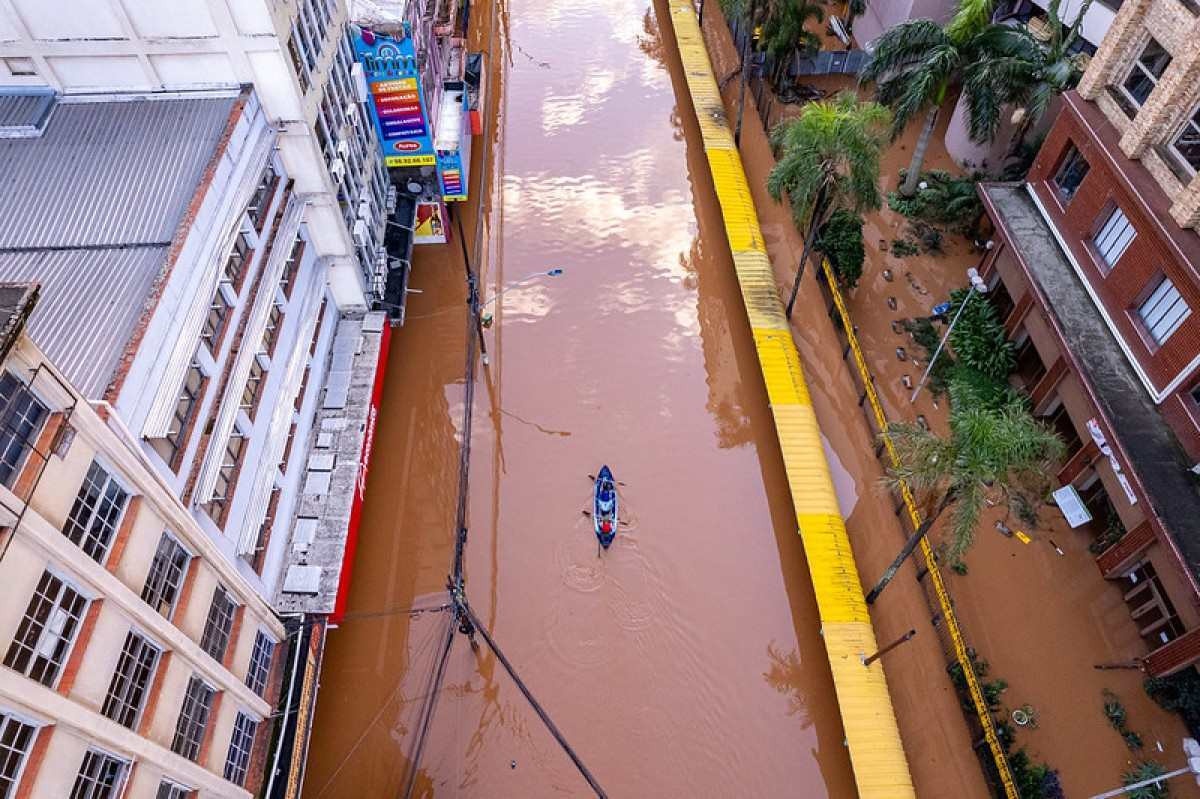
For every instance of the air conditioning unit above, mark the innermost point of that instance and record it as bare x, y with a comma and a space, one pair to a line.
359, 78
360, 233
337, 168
389, 202
342, 148
350, 112
364, 208
381, 261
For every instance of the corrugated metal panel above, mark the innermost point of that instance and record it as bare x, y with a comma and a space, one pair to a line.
108, 173
90, 302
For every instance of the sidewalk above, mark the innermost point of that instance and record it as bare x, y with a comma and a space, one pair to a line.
1080, 618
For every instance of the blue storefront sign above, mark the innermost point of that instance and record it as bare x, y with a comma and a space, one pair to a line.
397, 100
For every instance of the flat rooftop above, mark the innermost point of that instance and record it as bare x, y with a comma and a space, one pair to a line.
90, 209
1156, 457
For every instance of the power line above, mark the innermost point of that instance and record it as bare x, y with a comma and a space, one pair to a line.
431, 697
545, 717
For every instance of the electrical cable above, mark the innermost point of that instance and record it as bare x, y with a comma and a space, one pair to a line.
431, 697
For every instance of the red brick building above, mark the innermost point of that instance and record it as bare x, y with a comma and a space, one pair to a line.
1096, 272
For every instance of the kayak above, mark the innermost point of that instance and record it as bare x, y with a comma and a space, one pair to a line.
604, 515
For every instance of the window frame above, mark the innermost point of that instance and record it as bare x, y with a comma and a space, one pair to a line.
18, 406
1192, 121
173, 790
113, 791
1102, 255
155, 600
241, 746
214, 338
1147, 74
212, 634
256, 381
1070, 162
86, 532
115, 707
190, 723
264, 194
50, 673
172, 446
258, 670
11, 784
217, 508
1148, 325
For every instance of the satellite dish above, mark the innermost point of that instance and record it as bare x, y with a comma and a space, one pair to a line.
414, 187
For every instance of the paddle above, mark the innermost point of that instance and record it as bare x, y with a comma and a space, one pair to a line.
592, 477
621, 522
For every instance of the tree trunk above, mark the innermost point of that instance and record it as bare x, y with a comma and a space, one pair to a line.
907, 549
914, 169
815, 222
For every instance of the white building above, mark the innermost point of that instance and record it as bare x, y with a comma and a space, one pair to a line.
296, 55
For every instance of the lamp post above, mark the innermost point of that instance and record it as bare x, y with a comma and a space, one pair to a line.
1190, 748
487, 317
978, 286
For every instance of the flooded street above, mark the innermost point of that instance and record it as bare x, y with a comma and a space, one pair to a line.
685, 661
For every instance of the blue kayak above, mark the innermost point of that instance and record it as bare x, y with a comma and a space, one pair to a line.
604, 515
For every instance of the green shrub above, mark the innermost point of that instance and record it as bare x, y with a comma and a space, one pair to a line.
946, 200
841, 240
926, 336
1114, 711
1179, 693
1034, 780
978, 337
1145, 770
971, 388
903, 248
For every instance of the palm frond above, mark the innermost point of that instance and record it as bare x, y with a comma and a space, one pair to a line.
971, 17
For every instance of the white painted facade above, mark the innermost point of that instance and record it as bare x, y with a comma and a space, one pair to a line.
289, 51
67, 710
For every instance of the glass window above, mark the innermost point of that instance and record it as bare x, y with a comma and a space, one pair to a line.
254, 385
45, 633
131, 680
1114, 237
1145, 72
218, 625
1187, 143
298, 65
240, 745
93, 520
101, 776
169, 446
193, 719
260, 663
239, 257
261, 199
288, 280
214, 323
16, 739
173, 790
1070, 174
21, 419
226, 477
1163, 311
166, 575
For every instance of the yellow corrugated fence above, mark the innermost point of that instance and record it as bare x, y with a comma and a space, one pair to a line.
872, 735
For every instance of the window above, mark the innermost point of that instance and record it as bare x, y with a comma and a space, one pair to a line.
291, 267
1114, 237
16, 739
274, 325
173, 790
45, 634
21, 418
227, 477
298, 65
169, 446
238, 758
131, 680
1163, 311
1151, 608
1072, 172
20, 67
193, 719
239, 257
93, 520
1187, 143
101, 776
166, 575
220, 620
260, 663
254, 385
214, 323
1145, 72
261, 198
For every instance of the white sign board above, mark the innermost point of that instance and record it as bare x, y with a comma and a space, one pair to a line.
1072, 506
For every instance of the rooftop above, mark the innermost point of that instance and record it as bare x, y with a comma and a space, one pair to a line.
1155, 457
89, 210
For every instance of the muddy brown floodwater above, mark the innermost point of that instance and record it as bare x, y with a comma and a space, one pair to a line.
686, 661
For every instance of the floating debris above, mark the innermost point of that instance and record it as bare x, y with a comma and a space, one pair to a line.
906, 381
891, 303
924, 425
901, 355
887, 275
897, 328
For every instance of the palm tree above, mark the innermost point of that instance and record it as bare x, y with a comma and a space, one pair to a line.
783, 32
828, 159
917, 62
1057, 71
989, 451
